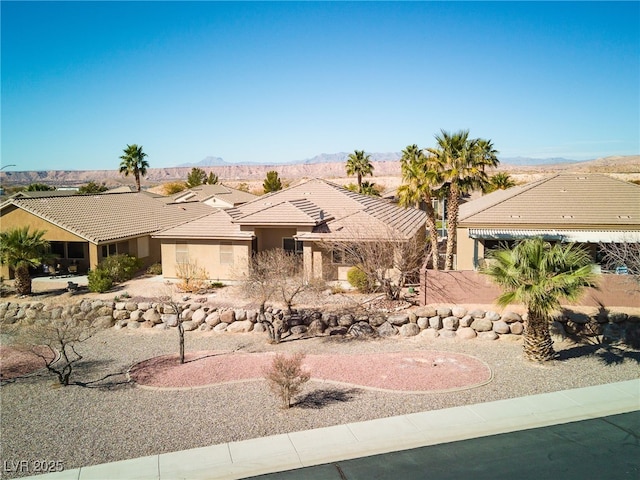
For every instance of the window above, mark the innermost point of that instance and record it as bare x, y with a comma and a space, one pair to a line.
226, 254
57, 249
108, 250
337, 256
75, 250
292, 245
182, 252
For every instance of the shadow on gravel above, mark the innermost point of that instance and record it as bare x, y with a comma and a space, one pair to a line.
607, 354
323, 397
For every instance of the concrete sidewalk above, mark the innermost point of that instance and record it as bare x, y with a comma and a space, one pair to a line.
314, 447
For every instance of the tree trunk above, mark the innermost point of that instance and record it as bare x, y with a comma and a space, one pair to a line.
22, 281
452, 225
433, 232
181, 335
537, 343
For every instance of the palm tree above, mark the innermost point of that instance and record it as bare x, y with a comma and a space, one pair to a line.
133, 162
21, 249
499, 181
359, 164
369, 188
420, 177
538, 275
463, 161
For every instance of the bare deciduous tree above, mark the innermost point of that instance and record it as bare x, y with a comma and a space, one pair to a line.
389, 261
171, 305
626, 254
193, 278
274, 275
60, 337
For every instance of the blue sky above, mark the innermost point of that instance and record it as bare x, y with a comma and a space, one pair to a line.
275, 82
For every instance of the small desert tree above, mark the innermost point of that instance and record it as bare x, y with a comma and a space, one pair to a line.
193, 278
213, 179
286, 377
60, 339
272, 182
92, 187
196, 177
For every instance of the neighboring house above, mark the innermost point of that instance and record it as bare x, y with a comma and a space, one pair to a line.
217, 196
567, 207
303, 219
84, 229
40, 193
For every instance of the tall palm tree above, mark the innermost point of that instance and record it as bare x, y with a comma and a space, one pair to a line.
133, 162
21, 249
420, 177
539, 275
463, 161
359, 164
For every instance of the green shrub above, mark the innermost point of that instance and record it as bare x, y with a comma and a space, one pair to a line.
121, 267
359, 279
99, 280
155, 269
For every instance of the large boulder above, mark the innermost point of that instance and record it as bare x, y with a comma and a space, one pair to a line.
152, 316
466, 333
482, 325
443, 312
241, 326
295, 330
387, 330
189, 325
493, 316
430, 333
240, 314
511, 317
136, 316
199, 316
450, 323
516, 328
361, 329
398, 319
501, 327
488, 335
409, 330
345, 320
170, 319
228, 316
120, 314
376, 319
221, 327
477, 313
317, 327
458, 311
212, 319
435, 322
423, 322
426, 311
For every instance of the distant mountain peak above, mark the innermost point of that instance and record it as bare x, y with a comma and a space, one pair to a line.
206, 162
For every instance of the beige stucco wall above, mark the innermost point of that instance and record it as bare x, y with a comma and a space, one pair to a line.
13, 217
207, 255
465, 250
269, 238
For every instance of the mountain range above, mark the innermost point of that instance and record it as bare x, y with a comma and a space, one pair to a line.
330, 166
375, 157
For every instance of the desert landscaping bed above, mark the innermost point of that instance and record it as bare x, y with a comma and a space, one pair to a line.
114, 420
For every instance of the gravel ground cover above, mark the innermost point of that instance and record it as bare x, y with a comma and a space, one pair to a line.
113, 420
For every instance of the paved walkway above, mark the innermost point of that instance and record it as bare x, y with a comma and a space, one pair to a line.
342, 442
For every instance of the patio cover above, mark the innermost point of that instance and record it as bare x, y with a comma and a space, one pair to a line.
581, 236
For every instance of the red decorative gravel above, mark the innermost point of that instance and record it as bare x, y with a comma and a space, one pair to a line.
16, 362
417, 371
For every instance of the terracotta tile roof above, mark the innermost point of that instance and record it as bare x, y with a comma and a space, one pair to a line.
328, 207
217, 224
107, 217
562, 201
289, 212
203, 193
